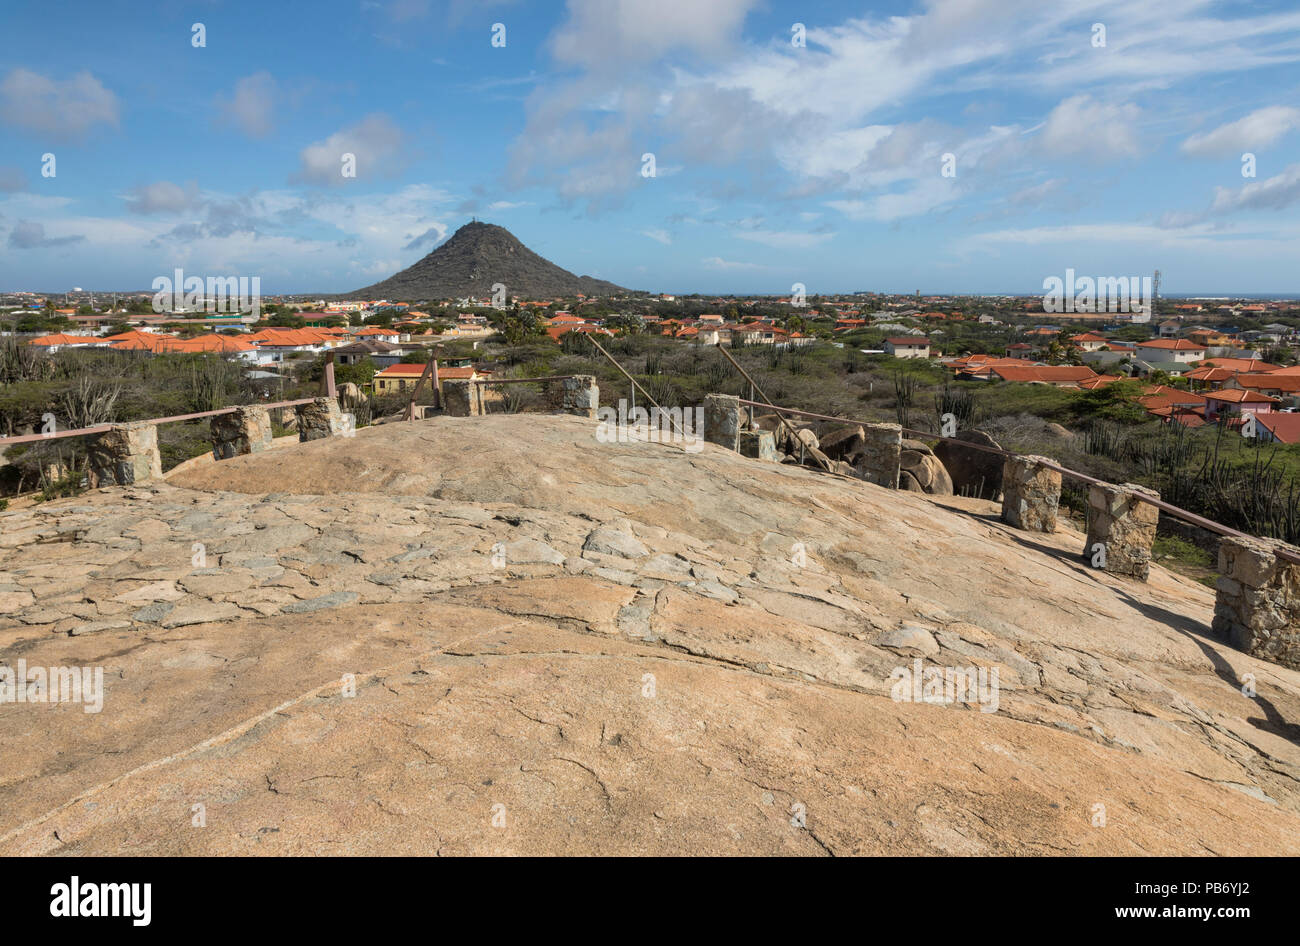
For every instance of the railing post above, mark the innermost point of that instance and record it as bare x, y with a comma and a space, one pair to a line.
1121, 528
124, 454
243, 430
1031, 493
581, 396
319, 418
327, 378
460, 399
882, 452
722, 420
1257, 600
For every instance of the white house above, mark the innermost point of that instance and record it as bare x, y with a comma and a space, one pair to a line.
917, 346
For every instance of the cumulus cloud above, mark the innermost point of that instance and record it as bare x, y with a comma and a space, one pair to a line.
162, 197
612, 34
1081, 125
1259, 129
30, 235
251, 106
375, 141
1275, 193
64, 110
435, 234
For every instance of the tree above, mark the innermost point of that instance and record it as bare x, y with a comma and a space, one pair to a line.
286, 320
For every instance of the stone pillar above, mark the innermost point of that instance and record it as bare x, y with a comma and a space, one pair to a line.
1257, 605
758, 445
878, 459
123, 454
722, 420
1031, 494
319, 419
581, 396
460, 398
1124, 525
246, 430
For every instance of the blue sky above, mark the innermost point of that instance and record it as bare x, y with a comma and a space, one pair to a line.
774, 163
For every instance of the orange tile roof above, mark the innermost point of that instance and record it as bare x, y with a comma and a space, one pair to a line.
1269, 381
61, 339
1100, 381
1285, 427
290, 337
1247, 364
1171, 344
1238, 396
1049, 373
223, 344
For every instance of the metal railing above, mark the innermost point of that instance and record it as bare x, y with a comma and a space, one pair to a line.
175, 418
1176, 511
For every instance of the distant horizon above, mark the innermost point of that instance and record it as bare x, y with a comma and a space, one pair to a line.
1206, 296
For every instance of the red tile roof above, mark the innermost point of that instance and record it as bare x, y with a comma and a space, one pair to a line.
1051, 374
1171, 344
1285, 427
1238, 396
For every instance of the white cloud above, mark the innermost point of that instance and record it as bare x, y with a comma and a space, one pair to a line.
662, 236
64, 110
717, 262
1259, 129
1275, 193
29, 235
375, 141
251, 106
602, 34
1081, 125
162, 197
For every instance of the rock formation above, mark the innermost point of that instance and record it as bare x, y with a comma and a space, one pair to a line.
498, 635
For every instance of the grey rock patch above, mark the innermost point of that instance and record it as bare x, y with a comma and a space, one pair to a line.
334, 600
910, 637
614, 542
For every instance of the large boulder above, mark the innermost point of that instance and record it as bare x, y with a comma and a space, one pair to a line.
805, 436
843, 442
973, 472
926, 470
908, 482
815, 458
349, 394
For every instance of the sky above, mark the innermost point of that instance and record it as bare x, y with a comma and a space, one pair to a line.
950, 146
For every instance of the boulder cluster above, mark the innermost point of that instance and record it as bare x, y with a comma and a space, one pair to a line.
943, 470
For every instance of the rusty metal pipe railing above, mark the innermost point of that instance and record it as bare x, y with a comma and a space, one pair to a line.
175, 418
1176, 511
